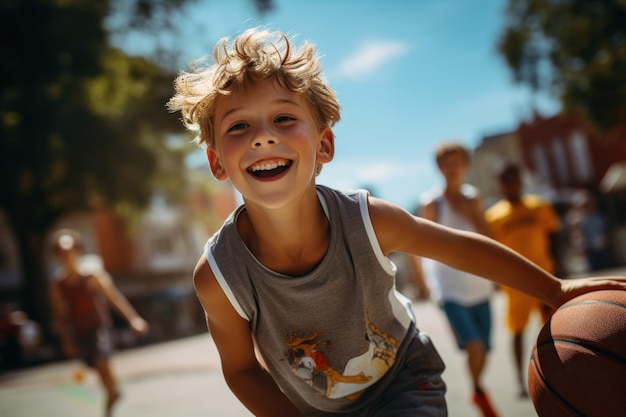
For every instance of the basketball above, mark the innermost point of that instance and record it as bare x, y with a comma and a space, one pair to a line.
578, 363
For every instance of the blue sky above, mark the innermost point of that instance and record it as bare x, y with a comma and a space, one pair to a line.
408, 75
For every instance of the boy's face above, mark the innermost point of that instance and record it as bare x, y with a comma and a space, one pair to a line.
67, 250
267, 143
453, 167
511, 186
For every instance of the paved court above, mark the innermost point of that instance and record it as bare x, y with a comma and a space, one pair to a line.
182, 378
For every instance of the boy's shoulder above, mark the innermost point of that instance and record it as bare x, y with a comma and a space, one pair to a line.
535, 200
435, 194
498, 210
469, 191
431, 196
324, 189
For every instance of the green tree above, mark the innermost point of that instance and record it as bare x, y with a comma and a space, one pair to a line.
82, 124
573, 49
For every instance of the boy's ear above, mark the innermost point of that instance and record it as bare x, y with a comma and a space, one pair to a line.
216, 166
326, 148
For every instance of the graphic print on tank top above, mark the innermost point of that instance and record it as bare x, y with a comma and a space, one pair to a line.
308, 356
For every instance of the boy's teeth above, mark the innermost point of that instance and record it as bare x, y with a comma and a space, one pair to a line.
268, 167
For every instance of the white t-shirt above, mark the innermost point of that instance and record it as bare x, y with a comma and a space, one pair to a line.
446, 283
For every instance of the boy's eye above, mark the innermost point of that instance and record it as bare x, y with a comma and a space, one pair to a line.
237, 126
282, 119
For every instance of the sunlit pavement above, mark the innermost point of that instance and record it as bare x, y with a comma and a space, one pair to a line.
183, 378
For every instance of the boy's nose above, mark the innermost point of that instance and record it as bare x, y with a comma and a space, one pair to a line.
263, 140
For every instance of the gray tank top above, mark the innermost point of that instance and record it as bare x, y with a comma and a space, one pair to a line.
328, 335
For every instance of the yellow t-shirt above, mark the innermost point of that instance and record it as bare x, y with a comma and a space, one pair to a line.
525, 228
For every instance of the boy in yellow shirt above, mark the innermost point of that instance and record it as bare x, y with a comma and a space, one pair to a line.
527, 224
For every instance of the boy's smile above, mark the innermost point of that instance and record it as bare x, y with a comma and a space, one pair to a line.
270, 169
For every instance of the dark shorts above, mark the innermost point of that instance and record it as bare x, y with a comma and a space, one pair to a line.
97, 344
469, 323
417, 389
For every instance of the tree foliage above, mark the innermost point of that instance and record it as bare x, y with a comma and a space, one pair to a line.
574, 49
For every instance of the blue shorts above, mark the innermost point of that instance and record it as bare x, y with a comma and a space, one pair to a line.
469, 323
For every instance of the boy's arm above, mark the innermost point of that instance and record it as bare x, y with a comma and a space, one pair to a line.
554, 245
478, 218
554, 240
427, 211
105, 284
397, 230
252, 385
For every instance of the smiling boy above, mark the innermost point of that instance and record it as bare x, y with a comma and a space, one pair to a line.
298, 293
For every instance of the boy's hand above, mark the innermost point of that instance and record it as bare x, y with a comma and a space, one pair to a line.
139, 326
571, 288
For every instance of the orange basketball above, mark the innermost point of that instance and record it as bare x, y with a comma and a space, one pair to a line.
578, 363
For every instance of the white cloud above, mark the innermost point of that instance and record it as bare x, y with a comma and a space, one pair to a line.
349, 174
371, 56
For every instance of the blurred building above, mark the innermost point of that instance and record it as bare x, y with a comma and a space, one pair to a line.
567, 153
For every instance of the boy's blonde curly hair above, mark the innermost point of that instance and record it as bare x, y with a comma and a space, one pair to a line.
254, 55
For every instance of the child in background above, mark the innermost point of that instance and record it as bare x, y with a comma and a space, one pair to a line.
465, 298
298, 293
79, 300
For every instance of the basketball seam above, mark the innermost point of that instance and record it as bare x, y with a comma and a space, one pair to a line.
588, 346
553, 391
568, 305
